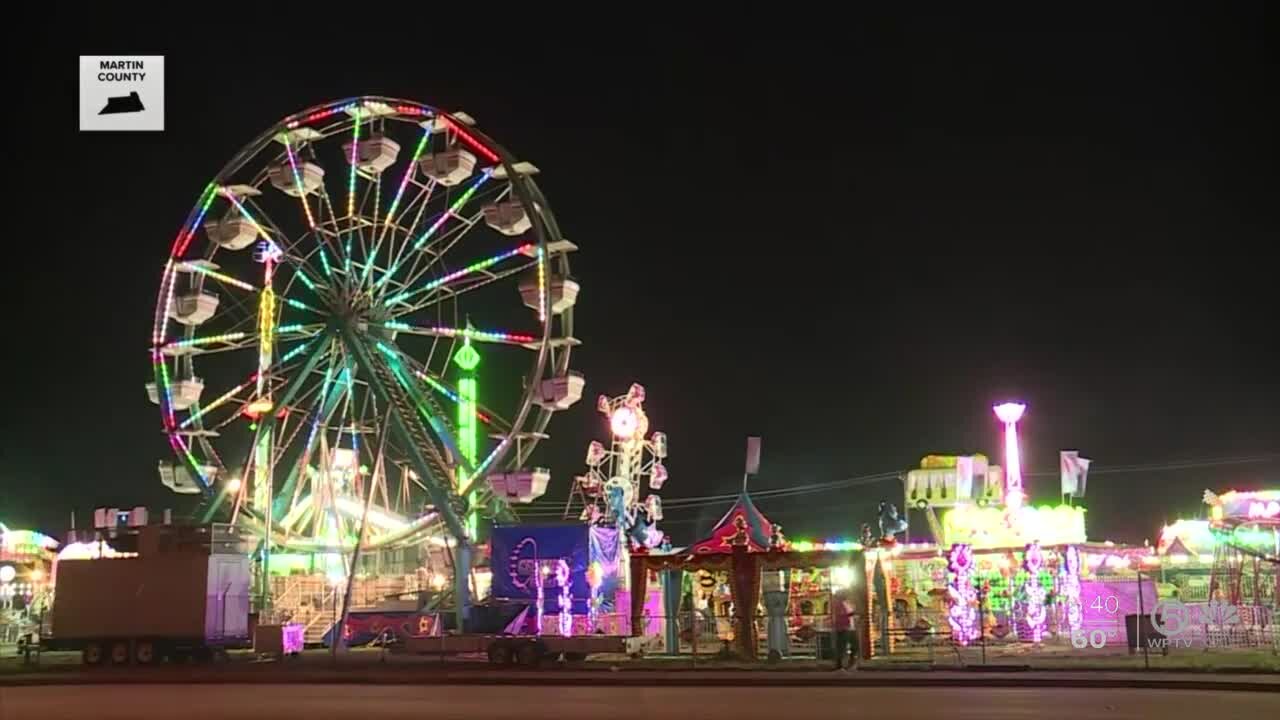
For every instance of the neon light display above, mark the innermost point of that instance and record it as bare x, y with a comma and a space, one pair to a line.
825, 546
1010, 414
91, 551
1036, 613
467, 359
962, 613
1237, 505
1264, 511
988, 527
1070, 586
566, 600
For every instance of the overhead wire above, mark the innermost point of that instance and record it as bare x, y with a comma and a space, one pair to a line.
556, 509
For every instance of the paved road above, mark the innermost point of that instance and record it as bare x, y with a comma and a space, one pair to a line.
320, 702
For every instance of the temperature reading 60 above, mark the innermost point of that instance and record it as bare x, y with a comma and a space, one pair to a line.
1111, 604
1096, 639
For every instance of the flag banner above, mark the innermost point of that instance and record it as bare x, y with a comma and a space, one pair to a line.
1067, 465
1075, 471
753, 455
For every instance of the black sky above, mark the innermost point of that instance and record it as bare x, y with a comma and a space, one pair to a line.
848, 236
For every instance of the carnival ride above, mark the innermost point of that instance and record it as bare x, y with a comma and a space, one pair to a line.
1245, 527
314, 326
613, 492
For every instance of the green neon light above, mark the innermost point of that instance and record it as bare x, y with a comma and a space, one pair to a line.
467, 359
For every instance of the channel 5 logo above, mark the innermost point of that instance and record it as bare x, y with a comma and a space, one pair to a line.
1172, 617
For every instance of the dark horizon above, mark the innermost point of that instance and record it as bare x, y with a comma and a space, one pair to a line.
852, 246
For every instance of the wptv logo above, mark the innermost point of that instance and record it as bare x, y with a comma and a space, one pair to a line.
1172, 620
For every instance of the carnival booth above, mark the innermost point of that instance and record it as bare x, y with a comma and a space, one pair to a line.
26, 580
731, 566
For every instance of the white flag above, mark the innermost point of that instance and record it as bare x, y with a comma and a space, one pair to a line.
753, 455
1083, 464
1075, 471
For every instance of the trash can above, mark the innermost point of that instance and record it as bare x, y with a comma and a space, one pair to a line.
1140, 631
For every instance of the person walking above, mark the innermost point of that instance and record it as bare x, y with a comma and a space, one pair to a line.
842, 623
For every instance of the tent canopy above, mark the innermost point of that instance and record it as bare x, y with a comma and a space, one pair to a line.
743, 525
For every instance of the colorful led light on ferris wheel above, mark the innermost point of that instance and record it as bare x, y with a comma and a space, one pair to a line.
473, 267
470, 140
297, 182
306, 280
438, 387
184, 236
294, 353
324, 262
355, 156
440, 221
453, 209
542, 286
194, 342
223, 277
408, 172
218, 402
299, 305
247, 215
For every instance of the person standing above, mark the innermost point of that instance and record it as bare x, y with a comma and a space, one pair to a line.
842, 623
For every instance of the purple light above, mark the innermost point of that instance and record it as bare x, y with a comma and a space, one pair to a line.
1032, 562
1010, 414
962, 615
1071, 586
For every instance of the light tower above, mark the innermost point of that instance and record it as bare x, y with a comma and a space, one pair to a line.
1010, 413
467, 359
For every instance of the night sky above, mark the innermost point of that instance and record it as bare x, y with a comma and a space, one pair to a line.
850, 241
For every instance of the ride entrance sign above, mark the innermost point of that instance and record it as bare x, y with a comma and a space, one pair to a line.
121, 92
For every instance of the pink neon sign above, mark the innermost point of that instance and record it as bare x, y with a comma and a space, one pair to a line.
1264, 511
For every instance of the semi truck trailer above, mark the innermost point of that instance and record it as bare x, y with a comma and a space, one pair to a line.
183, 595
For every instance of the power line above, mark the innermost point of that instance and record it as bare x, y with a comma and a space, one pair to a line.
545, 509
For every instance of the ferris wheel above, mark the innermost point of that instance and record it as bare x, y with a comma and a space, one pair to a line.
365, 323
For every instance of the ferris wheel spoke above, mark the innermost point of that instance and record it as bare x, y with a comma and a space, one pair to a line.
290, 251
282, 367
434, 251
470, 282
437, 383
297, 181
409, 171
210, 344
397, 249
432, 229
486, 336
480, 267
280, 238
320, 413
